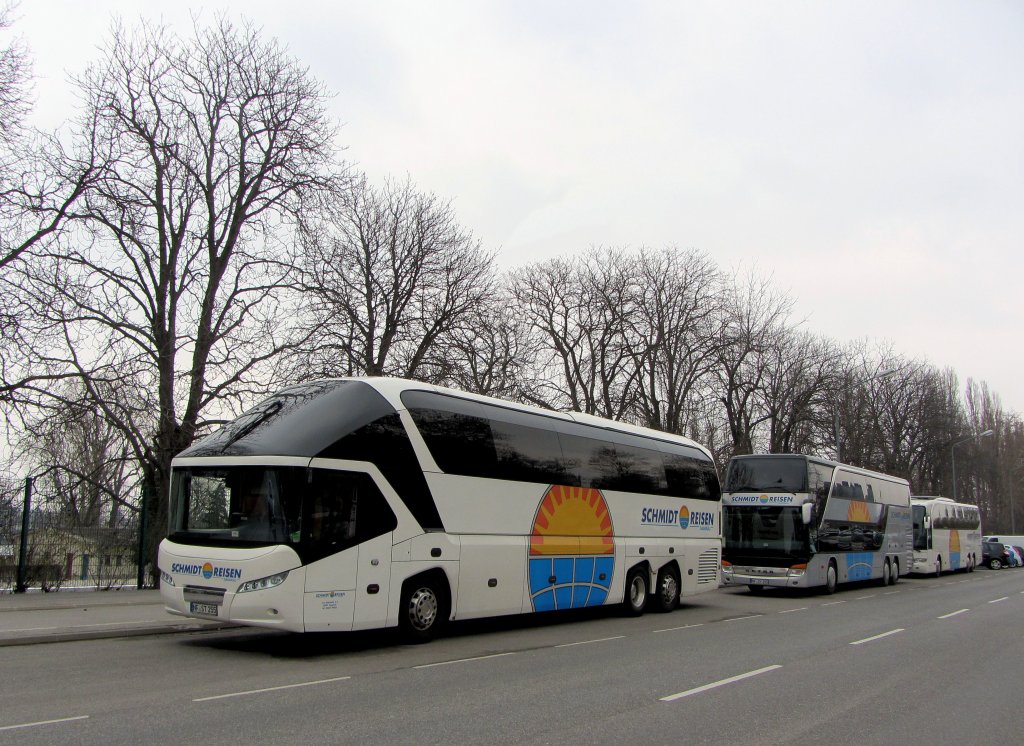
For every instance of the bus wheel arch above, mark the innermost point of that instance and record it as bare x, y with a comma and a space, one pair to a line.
425, 605
634, 599
667, 588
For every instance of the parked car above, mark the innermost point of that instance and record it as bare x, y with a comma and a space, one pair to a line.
995, 555
1018, 554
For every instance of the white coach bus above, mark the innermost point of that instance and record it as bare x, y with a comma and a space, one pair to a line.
799, 522
374, 502
947, 535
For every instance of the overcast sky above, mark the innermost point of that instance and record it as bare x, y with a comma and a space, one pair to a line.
867, 155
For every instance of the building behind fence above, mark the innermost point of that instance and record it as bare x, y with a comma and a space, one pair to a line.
61, 553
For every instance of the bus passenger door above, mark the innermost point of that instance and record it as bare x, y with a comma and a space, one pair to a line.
373, 582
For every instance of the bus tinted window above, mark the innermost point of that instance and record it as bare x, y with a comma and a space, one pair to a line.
482, 440
385, 444
767, 474
345, 509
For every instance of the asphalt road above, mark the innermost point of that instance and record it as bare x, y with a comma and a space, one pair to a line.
929, 661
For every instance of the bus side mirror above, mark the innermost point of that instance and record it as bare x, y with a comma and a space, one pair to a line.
807, 513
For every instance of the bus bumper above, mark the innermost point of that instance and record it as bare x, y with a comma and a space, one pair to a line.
772, 577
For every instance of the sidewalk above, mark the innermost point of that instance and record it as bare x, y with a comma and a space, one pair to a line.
33, 618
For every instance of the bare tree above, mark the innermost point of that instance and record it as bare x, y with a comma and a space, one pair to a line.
799, 373
755, 321
577, 311
673, 334
87, 460
39, 184
174, 302
390, 280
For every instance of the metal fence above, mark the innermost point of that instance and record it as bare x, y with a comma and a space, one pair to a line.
60, 538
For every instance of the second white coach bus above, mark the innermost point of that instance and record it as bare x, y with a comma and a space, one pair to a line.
798, 522
363, 503
947, 535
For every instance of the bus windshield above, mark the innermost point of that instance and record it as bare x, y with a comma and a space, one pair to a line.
316, 511
767, 475
920, 529
767, 531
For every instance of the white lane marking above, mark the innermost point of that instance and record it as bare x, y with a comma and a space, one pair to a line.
997, 600
43, 722
790, 611
723, 682
738, 618
952, 613
834, 603
878, 637
890, 593
272, 689
861, 598
463, 660
685, 626
587, 642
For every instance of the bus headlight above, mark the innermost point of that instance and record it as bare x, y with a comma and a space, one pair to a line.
166, 579
797, 570
726, 568
262, 584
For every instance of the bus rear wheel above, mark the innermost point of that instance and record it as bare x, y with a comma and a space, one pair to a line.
667, 591
894, 574
424, 610
886, 572
636, 591
938, 567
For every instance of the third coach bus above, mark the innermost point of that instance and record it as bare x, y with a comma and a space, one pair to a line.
797, 522
362, 503
947, 535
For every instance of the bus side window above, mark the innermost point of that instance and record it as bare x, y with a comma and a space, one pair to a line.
346, 509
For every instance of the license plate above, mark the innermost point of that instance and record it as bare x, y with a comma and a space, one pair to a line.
758, 581
204, 609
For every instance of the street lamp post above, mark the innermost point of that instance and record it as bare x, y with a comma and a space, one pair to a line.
952, 453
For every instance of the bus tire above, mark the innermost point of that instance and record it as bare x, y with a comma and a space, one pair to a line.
424, 609
886, 572
666, 594
635, 600
970, 563
894, 572
757, 590
938, 567
831, 578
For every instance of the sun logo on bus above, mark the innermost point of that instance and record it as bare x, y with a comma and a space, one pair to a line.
207, 570
572, 551
858, 512
954, 549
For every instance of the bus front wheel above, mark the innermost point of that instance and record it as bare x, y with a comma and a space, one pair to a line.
886, 572
636, 591
831, 578
424, 610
